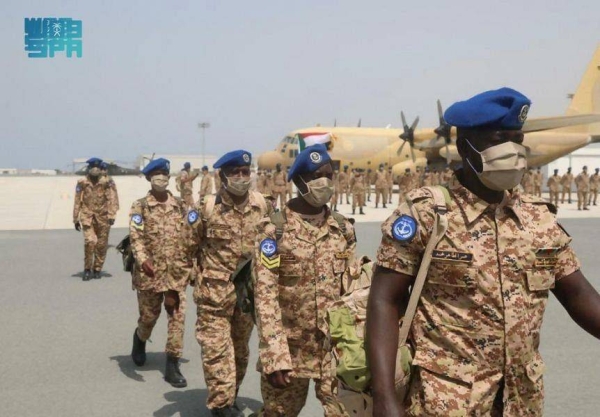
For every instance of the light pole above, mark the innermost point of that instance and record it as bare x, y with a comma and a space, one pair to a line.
203, 126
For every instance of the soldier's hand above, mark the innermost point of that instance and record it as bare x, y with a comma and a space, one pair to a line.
148, 268
171, 302
111, 221
279, 379
78, 226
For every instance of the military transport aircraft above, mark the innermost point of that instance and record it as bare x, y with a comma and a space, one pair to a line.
113, 170
546, 139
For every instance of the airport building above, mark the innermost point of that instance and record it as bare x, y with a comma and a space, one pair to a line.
177, 161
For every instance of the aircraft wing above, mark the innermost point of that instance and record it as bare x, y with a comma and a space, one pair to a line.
548, 123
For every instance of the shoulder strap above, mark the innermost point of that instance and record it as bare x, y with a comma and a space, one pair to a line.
261, 202
278, 218
441, 197
209, 206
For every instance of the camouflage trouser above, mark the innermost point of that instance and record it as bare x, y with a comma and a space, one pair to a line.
537, 190
289, 191
344, 190
381, 192
358, 199
565, 190
334, 197
390, 193
289, 401
223, 332
149, 304
554, 197
278, 194
95, 238
593, 196
188, 197
582, 199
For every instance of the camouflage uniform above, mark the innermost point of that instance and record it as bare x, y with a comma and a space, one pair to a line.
113, 188
279, 187
582, 181
357, 186
205, 186
445, 177
566, 181
553, 184
538, 179
289, 189
336, 191
594, 183
94, 207
186, 188
427, 179
217, 180
161, 232
476, 332
227, 234
381, 187
344, 186
293, 290
390, 182
527, 182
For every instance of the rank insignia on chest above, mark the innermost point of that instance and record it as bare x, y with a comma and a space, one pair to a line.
342, 255
192, 216
404, 228
219, 226
270, 263
452, 256
546, 257
137, 221
287, 258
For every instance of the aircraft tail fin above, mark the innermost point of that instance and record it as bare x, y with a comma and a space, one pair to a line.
587, 96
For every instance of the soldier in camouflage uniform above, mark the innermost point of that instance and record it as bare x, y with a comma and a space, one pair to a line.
476, 331
594, 184
390, 182
185, 181
227, 229
164, 248
206, 184
582, 182
94, 209
538, 180
298, 276
566, 182
357, 187
344, 185
381, 187
553, 184
279, 186
289, 188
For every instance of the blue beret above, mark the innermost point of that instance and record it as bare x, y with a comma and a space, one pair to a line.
103, 165
237, 158
204, 168
94, 161
157, 165
187, 165
309, 160
504, 109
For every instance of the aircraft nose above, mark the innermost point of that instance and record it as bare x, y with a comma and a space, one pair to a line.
268, 160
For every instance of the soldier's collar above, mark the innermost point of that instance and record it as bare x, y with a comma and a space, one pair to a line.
471, 205
152, 201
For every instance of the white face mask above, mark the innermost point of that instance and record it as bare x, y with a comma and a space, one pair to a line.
503, 165
319, 191
237, 185
159, 182
94, 172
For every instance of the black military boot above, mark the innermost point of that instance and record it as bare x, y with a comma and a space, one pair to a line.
138, 352
96, 274
384, 206
353, 211
226, 412
172, 373
87, 274
361, 211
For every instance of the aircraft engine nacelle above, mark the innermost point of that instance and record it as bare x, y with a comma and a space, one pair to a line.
454, 156
400, 167
268, 160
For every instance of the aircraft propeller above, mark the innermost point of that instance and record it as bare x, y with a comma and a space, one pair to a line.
443, 131
408, 135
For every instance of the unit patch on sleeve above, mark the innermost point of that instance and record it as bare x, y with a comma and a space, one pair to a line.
404, 228
192, 216
137, 221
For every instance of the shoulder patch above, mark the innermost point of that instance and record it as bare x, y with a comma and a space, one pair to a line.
137, 219
268, 247
404, 228
192, 216
77, 188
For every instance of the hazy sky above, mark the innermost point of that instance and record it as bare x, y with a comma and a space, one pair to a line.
257, 70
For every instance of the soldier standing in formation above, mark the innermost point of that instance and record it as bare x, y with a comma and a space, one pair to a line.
370, 179
94, 210
279, 186
344, 185
427, 179
594, 183
185, 182
381, 187
390, 183
206, 186
217, 180
357, 187
164, 248
538, 180
289, 189
527, 182
226, 229
445, 176
336, 190
298, 276
511, 253
553, 185
582, 182
566, 182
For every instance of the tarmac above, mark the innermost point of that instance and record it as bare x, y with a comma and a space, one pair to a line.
66, 343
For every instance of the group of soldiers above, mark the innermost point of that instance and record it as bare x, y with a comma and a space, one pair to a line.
586, 185
302, 260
